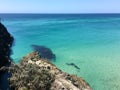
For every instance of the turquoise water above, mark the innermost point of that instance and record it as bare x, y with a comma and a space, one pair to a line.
92, 42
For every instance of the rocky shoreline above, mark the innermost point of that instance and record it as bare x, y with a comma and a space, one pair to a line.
34, 72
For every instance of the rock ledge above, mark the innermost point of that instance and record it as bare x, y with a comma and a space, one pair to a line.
36, 73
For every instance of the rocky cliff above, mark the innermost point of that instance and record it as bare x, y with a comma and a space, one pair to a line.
6, 41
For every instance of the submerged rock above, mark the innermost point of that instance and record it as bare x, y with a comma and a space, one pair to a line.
36, 73
72, 64
45, 52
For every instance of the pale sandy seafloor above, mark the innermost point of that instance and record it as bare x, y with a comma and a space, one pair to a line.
90, 42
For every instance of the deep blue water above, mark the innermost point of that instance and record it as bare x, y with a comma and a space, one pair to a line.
91, 41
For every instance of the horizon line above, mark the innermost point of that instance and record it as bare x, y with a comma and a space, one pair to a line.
57, 13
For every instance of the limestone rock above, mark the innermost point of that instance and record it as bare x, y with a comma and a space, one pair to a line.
57, 80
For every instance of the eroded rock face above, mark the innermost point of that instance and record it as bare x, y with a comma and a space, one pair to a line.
30, 68
6, 41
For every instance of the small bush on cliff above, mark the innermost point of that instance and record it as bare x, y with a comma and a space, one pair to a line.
30, 77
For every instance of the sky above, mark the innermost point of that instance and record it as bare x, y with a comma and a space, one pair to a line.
59, 6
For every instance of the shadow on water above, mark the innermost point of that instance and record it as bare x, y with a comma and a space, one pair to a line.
4, 83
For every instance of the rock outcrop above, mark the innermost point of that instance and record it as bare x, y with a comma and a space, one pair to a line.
6, 41
36, 73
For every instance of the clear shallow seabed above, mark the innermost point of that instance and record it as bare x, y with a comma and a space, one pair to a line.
92, 42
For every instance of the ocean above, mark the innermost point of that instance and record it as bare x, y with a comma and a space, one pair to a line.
90, 41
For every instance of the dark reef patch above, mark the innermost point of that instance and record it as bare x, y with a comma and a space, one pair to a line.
45, 52
72, 64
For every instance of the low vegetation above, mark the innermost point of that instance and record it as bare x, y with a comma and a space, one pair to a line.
30, 77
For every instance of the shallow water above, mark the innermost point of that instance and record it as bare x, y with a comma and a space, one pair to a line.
92, 42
